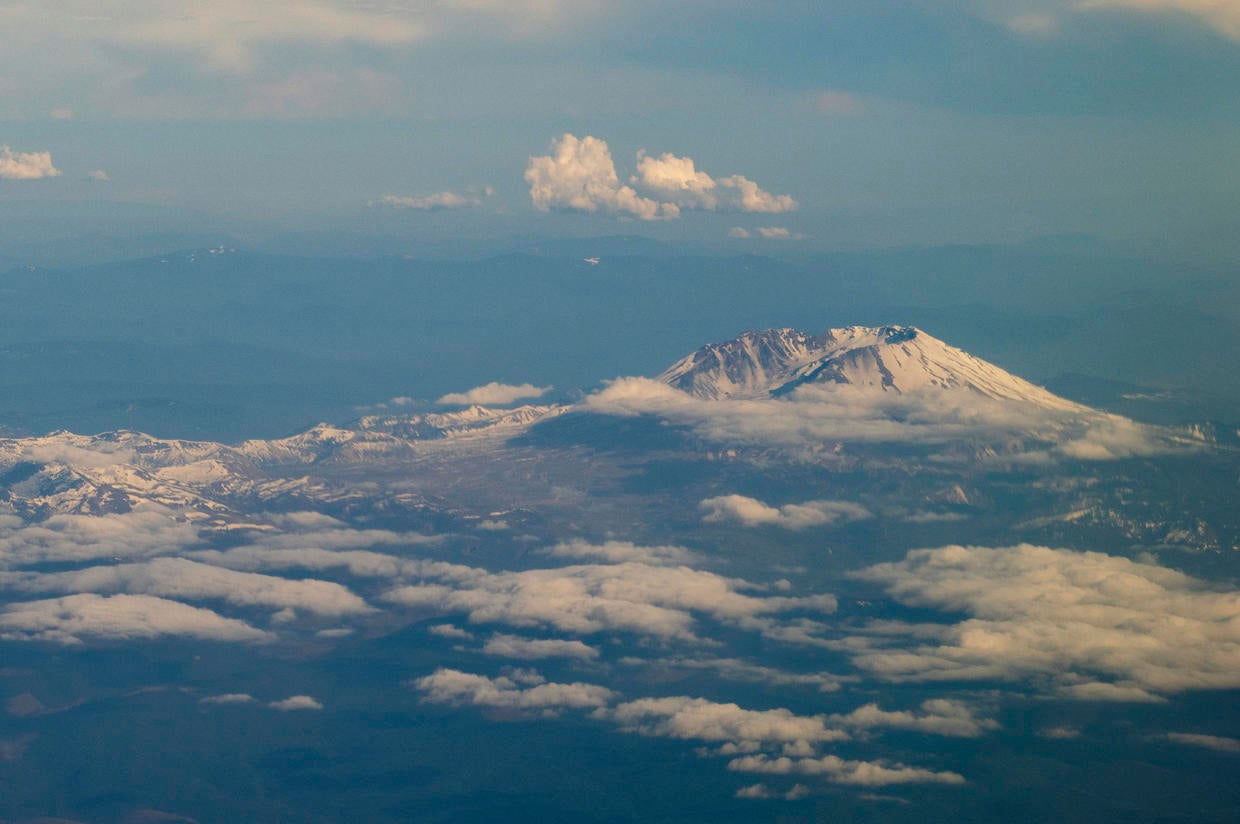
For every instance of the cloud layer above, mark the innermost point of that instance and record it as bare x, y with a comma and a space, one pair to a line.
77, 618
1093, 626
818, 416
630, 597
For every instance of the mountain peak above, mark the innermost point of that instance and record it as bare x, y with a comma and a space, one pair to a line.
773, 362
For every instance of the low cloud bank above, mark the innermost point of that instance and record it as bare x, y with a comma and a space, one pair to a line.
1094, 626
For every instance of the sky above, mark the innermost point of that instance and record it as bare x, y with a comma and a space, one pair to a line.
757, 126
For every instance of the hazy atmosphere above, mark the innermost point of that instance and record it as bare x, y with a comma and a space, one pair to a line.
472, 411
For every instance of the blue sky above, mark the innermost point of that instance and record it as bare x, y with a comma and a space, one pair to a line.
849, 123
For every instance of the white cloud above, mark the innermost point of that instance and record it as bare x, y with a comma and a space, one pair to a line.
456, 688
840, 771
778, 233
1092, 626
229, 698
97, 176
938, 716
26, 165
739, 232
748, 196
752, 512
73, 618
628, 597
438, 201
677, 180
615, 552
296, 702
61, 113
815, 417
581, 176
530, 649
141, 533
761, 791
450, 631
698, 719
190, 580
494, 394
1209, 742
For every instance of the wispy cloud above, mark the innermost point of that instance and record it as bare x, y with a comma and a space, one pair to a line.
437, 202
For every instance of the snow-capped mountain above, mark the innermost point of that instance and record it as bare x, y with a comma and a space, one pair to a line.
116, 472
897, 359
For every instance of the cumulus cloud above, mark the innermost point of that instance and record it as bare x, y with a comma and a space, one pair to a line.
840, 771
698, 719
26, 165
739, 232
494, 394
580, 175
456, 688
938, 716
296, 702
1092, 626
657, 601
97, 176
616, 552
436, 202
185, 579
73, 618
752, 512
677, 180
531, 649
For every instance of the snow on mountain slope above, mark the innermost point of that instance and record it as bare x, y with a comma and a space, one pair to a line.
118, 472
897, 359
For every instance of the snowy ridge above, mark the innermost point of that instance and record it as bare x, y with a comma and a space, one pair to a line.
897, 359
118, 472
